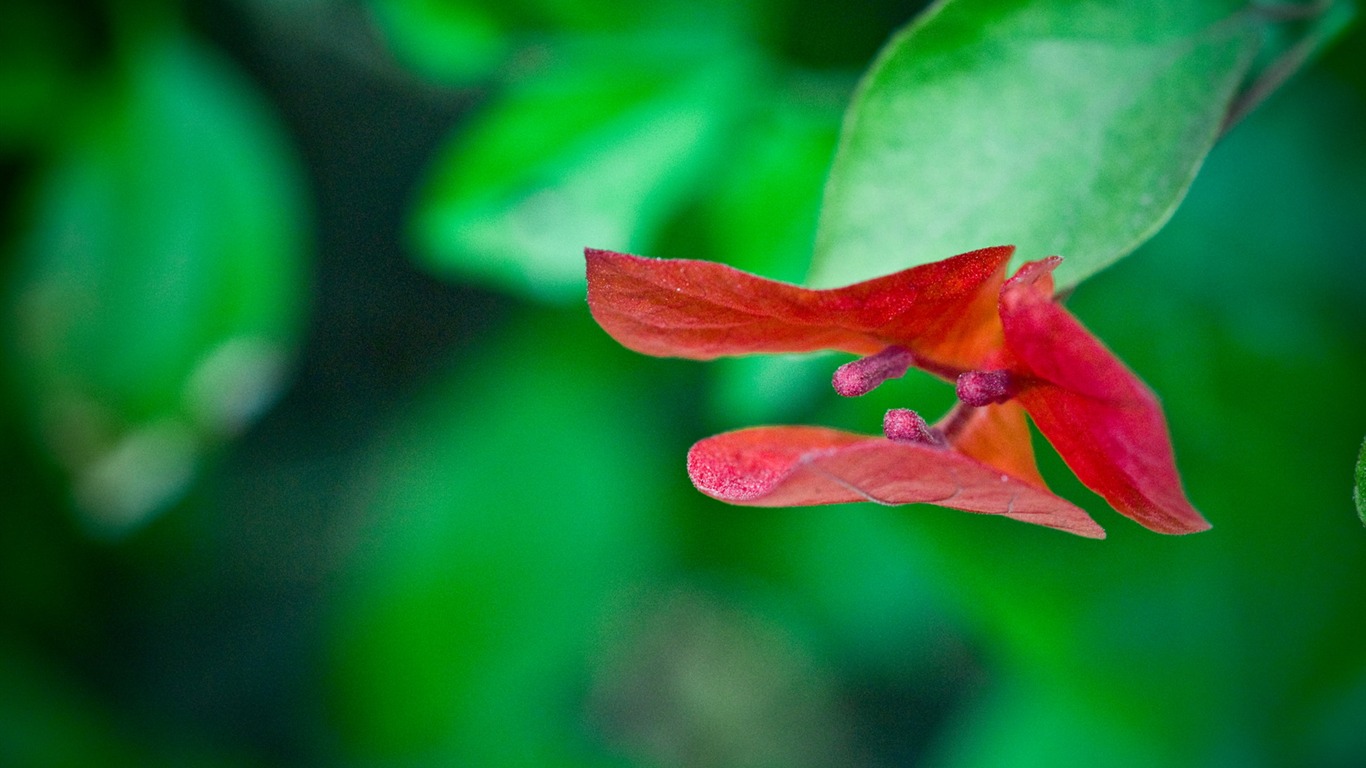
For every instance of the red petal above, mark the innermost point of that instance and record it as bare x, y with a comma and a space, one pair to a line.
1104, 422
801, 466
682, 308
998, 436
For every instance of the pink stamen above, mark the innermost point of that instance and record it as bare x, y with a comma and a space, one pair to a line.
979, 388
865, 374
906, 426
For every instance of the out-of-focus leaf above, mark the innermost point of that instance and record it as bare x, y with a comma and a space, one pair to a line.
452, 41
597, 150
1335, 738
763, 203
460, 42
767, 389
1306, 29
1359, 492
158, 283
1022, 723
639, 15
515, 507
1069, 129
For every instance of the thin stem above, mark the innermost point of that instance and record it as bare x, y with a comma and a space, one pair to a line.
1288, 63
936, 368
954, 421
1291, 11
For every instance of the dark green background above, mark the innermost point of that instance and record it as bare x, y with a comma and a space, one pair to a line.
463, 533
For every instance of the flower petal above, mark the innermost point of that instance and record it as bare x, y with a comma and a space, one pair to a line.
944, 312
998, 436
1104, 422
800, 466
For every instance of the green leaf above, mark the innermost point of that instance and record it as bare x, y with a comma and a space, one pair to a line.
597, 150
452, 42
156, 296
460, 42
1029, 723
763, 204
1359, 492
1062, 128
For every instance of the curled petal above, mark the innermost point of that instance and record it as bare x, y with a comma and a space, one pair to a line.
801, 466
996, 435
943, 311
1104, 422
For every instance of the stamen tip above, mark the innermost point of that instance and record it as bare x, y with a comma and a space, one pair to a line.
850, 381
903, 425
979, 388
861, 376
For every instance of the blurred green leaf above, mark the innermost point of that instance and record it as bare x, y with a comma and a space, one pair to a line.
640, 15
158, 283
599, 149
461, 42
763, 203
1061, 128
1359, 492
1024, 723
450, 41
511, 510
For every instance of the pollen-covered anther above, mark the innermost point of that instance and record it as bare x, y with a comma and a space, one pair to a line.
865, 374
979, 388
906, 426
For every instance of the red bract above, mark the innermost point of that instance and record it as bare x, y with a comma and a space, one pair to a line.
1008, 346
703, 310
1104, 422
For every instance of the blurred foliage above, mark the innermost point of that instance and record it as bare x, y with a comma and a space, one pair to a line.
490, 538
464, 534
156, 284
584, 152
624, 126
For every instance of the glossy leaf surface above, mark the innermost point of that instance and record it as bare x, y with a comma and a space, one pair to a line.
1064, 128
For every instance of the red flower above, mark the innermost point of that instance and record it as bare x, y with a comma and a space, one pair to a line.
1007, 345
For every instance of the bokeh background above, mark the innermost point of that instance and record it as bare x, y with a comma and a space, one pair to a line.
310, 453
